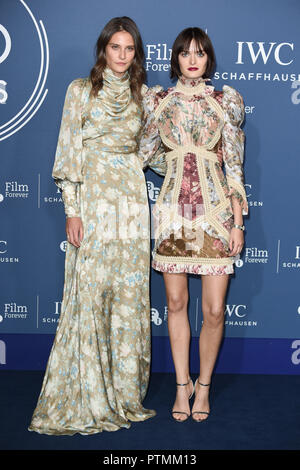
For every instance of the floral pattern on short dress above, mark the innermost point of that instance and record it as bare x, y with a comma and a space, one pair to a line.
200, 131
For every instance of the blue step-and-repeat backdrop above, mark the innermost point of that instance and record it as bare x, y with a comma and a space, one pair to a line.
44, 45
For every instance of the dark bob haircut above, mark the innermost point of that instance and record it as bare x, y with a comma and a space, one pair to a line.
182, 43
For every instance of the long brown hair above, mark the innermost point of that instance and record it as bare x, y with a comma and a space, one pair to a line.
183, 41
136, 70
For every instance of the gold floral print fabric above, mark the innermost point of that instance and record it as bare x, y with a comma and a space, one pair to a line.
98, 370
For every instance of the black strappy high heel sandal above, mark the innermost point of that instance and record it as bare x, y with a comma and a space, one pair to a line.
183, 412
200, 412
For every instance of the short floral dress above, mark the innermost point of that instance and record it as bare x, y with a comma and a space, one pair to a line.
199, 129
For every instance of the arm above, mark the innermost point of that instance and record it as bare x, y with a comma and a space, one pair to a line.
233, 145
68, 160
236, 240
233, 155
74, 226
151, 151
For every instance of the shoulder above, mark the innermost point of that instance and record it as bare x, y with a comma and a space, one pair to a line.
233, 104
149, 91
231, 94
150, 96
77, 85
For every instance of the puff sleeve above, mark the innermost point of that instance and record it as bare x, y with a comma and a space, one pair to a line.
67, 168
233, 144
151, 151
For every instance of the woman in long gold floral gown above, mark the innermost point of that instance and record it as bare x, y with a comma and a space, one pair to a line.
98, 370
198, 214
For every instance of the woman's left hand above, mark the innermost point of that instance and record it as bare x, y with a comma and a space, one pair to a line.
236, 241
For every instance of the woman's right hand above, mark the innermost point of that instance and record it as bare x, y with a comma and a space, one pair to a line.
74, 229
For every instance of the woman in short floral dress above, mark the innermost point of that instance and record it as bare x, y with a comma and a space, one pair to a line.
98, 370
199, 212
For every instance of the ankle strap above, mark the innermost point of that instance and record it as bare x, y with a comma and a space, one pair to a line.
204, 385
181, 385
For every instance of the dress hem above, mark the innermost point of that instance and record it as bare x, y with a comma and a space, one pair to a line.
110, 427
208, 269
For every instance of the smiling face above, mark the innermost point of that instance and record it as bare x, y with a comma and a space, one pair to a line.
192, 62
120, 52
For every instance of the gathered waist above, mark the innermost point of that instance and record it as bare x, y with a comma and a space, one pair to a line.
95, 145
181, 152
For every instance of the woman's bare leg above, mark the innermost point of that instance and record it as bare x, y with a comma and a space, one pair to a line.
179, 333
213, 305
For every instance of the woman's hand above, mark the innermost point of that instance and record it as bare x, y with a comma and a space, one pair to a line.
74, 229
236, 241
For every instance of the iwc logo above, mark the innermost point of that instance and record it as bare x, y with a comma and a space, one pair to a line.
4, 253
55, 310
31, 92
235, 316
293, 262
252, 201
54, 198
262, 56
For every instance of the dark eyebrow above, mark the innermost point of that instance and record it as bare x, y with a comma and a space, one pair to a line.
116, 44
198, 50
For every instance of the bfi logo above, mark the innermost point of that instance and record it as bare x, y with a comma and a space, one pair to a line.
155, 317
63, 246
153, 191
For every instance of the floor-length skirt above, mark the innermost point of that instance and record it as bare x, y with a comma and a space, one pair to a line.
98, 370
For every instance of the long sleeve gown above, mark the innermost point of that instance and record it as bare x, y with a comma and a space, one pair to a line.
98, 370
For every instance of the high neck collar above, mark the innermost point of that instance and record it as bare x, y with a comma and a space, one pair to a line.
110, 79
193, 86
192, 82
116, 93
